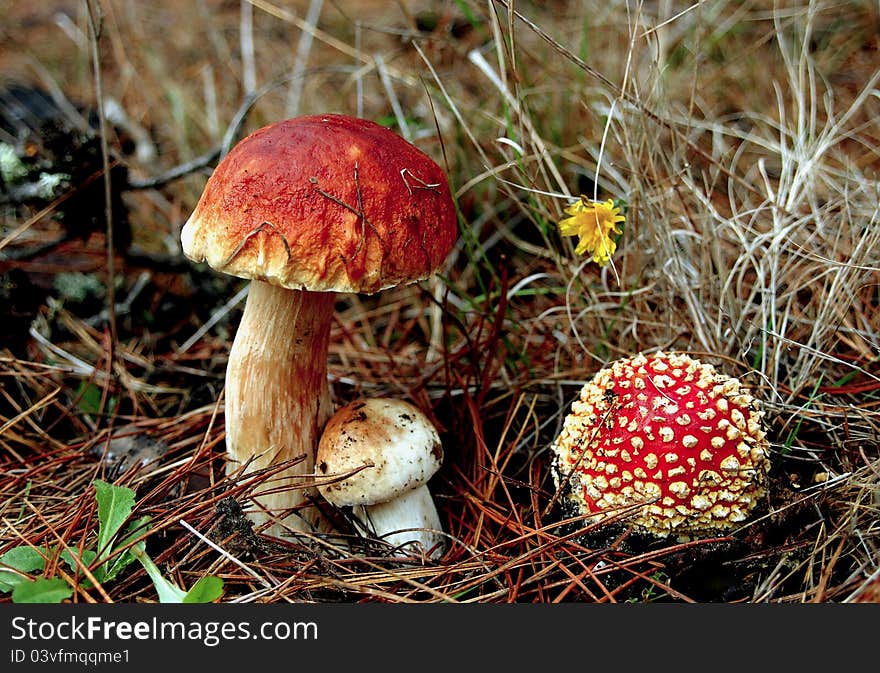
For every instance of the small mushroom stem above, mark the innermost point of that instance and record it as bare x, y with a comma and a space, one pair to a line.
277, 396
409, 518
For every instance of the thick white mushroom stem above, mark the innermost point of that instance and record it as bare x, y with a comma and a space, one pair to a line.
407, 519
278, 398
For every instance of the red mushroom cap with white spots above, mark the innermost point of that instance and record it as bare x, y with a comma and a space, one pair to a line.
667, 432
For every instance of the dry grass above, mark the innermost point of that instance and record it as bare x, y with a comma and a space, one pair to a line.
743, 138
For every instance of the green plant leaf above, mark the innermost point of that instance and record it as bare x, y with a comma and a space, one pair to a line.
24, 559
88, 398
168, 592
114, 507
88, 557
206, 590
42, 590
133, 531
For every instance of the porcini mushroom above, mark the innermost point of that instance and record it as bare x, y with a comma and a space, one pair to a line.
306, 208
386, 450
669, 433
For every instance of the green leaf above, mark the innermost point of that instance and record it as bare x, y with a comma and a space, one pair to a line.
24, 559
133, 531
42, 590
206, 590
88, 557
114, 507
88, 398
168, 592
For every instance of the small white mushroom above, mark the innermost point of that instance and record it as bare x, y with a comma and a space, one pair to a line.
392, 449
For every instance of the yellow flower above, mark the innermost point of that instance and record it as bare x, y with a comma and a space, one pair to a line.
593, 222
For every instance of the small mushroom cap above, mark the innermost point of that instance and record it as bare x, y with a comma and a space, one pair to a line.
392, 437
324, 203
667, 432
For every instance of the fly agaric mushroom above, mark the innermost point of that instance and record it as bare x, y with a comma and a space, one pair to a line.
306, 208
389, 450
669, 433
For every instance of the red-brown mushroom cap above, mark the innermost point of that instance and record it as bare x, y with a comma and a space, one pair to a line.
324, 203
670, 432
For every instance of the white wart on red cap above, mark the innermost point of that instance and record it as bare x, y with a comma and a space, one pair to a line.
670, 433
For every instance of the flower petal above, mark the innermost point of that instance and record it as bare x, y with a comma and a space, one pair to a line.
569, 226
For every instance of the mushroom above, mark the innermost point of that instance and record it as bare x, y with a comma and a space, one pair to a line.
670, 434
306, 208
386, 450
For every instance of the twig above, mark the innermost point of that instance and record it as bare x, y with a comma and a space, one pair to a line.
306, 37
246, 38
177, 172
392, 96
227, 555
206, 159
253, 232
216, 317
95, 20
